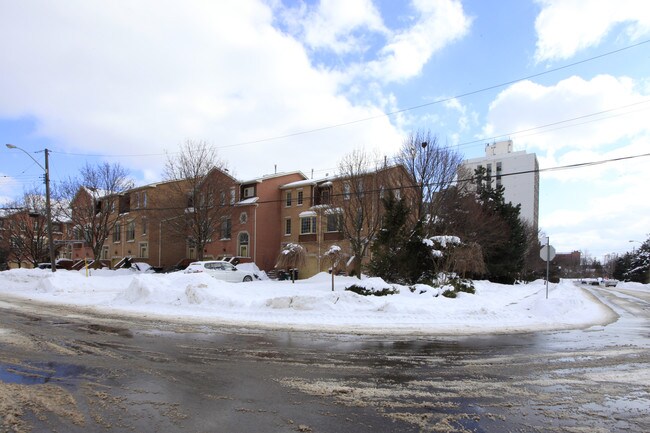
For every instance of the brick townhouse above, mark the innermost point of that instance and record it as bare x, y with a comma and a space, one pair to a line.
24, 239
256, 218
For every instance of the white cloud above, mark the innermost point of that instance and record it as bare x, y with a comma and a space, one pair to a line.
332, 24
607, 201
139, 78
565, 27
463, 118
603, 205
440, 22
527, 105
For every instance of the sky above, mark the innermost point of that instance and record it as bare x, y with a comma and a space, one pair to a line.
311, 304
282, 86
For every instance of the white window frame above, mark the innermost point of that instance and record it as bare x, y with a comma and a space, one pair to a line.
311, 226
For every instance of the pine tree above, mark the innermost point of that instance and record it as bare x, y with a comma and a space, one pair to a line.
398, 253
390, 239
504, 261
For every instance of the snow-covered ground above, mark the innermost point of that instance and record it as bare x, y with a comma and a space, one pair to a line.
311, 304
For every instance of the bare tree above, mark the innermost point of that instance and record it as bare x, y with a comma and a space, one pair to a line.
91, 201
433, 168
361, 183
26, 229
202, 190
466, 260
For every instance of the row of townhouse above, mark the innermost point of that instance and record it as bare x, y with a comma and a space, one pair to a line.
24, 240
256, 218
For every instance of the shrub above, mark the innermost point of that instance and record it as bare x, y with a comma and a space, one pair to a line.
457, 285
449, 294
462, 285
364, 291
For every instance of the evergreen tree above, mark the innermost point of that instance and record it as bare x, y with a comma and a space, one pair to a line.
416, 264
398, 253
635, 266
504, 261
390, 239
622, 265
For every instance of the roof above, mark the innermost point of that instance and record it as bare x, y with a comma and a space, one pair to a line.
298, 183
272, 176
247, 201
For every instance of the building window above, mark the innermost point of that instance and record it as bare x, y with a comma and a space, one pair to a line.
249, 192
242, 239
130, 231
136, 200
287, 226
307, 225
288, 202
117, 232
499, 170
346, 191
144, 250
243, 218
104, 255
226, 228
359, 191
334, 222
299, 198
232, 195
222, 198
143, 197
325, 196
144, 226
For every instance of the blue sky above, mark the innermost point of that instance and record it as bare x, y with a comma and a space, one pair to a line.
129, 81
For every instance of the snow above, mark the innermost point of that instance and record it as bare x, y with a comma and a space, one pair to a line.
311, 304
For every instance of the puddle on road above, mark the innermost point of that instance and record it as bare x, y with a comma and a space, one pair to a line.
42, 373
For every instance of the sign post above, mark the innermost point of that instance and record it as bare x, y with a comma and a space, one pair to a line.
547, 254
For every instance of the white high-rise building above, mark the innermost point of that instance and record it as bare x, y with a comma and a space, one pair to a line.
517, 172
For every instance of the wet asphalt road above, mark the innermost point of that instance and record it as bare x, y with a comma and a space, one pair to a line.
64, 371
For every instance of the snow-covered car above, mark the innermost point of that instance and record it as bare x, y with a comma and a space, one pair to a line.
220, 270
610, 283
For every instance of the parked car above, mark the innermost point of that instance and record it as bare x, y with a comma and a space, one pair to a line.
599, 282
60, 264
220, 270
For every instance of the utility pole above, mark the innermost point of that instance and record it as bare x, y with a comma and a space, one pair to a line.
48, 208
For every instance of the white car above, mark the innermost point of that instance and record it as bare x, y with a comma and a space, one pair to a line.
220, 270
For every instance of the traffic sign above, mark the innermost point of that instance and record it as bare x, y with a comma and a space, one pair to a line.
547, 253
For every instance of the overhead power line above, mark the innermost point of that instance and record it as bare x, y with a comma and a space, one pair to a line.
390, 113
468, 179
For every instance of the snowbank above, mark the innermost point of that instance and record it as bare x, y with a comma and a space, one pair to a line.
311, 304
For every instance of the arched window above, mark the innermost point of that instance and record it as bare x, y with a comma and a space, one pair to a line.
242, 240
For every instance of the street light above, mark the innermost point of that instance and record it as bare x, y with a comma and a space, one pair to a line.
48, 207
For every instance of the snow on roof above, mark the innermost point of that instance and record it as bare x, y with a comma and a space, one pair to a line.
307, 213
271, 176
248, 201
298, 183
